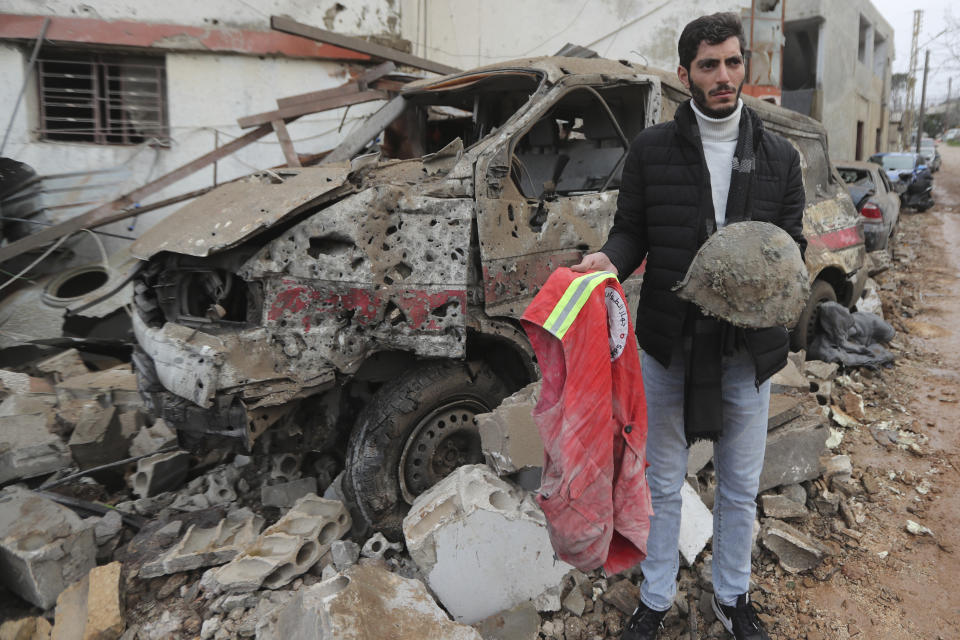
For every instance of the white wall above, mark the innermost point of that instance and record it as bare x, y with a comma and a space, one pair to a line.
467, 33
358, 16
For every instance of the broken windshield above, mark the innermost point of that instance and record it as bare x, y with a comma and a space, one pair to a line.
469, 108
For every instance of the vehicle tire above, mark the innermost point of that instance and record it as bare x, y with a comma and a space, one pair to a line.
820, 292
416, 430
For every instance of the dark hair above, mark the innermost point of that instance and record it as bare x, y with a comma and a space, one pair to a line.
712, 29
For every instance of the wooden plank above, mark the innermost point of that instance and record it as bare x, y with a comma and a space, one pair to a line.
105, 214
286, 143
287, 25
311, 107
369, 130
360, 83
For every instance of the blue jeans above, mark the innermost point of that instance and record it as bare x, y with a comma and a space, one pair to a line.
737, 460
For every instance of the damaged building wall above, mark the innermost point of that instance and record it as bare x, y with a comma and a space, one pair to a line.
824, 41
206, 90
467, 34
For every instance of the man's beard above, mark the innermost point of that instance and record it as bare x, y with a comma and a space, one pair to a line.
700, 98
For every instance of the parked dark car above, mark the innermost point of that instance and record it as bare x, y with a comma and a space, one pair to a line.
875, 199
911, 178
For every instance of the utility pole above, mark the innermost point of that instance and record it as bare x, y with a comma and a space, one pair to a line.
906, 119
923, 99
946, 110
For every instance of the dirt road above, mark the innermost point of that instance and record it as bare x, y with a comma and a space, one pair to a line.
892, 584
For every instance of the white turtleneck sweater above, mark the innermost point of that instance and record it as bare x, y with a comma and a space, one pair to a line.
719, 138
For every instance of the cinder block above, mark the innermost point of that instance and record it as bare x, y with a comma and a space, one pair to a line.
509, 436
285, 550
482, 543
97, 439
364, 603
28, 449
793, 452
205, 547
159, 473
44, 547
150, 439
287, 493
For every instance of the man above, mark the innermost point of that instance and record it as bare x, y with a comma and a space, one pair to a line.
714, 164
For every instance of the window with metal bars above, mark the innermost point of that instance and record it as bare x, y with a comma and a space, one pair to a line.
104, 98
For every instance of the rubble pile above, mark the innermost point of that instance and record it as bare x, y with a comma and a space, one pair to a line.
108, 529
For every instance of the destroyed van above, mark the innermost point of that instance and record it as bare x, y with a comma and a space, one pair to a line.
368, 308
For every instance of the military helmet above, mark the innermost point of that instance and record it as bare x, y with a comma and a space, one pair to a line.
750, 274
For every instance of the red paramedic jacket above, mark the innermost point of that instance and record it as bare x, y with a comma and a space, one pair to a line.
592, 419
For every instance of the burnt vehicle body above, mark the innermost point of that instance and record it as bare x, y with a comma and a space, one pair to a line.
875, 199
369, 309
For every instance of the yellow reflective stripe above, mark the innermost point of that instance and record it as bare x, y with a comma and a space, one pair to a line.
572, 301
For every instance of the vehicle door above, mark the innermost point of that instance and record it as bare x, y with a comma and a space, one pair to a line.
547, 190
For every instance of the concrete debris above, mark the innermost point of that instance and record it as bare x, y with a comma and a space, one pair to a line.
917, 529
795, 550
91, 608
696, 524
783, 409
789, 378
377, 545
26, 629
344, 553
287, 493
97, 439
837, 466
284, 550
794, 492
820, 370
285, 467
508, 435
151, 439
834, 439
793, 453
365, 603
44, 547
17, 382
22, 404
107, 526
204, 547
843, 419
624, 595
574, 602
160, 473
63, 365
698, 455
853, 405
220, 484
118, 385
782, 507
826, 502
520, 623
28, 449
461, 527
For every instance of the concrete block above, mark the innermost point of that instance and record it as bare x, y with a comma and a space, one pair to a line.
365, 603
205, 547
508, 435
17, 382
96, 439
220, 484
159, 473
782, 507
789, 378
696, 524
793, 452
285, 467
28, 449
345, 554
795, 550
44, 546
92, 607
131, 422
520, 623
118, 384
377, 545
22, 404
66, 364
26, 629
287, 493
783, 409
284, 550
820, 370
150, 439
482, 544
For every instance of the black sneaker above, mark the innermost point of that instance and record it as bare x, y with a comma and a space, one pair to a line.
740, 620
644, 624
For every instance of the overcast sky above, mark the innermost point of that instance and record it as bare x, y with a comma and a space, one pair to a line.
900, 16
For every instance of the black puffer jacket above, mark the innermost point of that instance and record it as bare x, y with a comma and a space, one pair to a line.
662, 212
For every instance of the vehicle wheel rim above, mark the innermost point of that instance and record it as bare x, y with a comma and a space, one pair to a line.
445, 439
